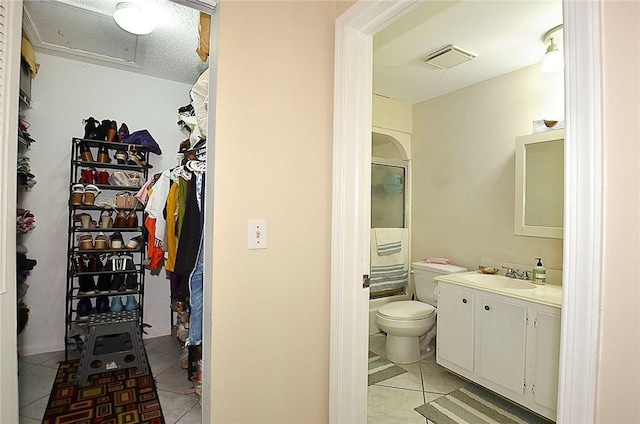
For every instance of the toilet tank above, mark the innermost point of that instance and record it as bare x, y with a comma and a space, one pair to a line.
423, 278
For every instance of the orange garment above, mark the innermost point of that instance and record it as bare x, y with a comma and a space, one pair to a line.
155, 253
171, 235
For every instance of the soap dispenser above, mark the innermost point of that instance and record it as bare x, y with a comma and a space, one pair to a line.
539, 272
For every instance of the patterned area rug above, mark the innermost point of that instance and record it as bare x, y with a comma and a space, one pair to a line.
380, 369
473, 404
122, 396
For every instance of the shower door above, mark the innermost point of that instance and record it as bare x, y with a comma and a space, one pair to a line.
388, 195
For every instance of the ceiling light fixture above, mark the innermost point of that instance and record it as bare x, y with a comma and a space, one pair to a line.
553, 60
135, 18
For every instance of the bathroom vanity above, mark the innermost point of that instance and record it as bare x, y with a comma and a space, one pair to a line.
503, 334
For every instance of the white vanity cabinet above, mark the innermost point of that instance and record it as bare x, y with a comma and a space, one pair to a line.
509, 345
455, 318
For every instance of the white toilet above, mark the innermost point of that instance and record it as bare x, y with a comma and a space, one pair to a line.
407, 321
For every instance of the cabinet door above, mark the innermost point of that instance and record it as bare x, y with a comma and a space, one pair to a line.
502, 342
546, 327
455, 339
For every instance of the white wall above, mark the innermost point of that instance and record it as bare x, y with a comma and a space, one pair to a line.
66, 92
463, 169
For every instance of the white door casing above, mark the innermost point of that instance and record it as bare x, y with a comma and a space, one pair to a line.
10, 42
350, 230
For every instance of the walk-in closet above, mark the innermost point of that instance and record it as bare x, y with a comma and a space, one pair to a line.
110, 209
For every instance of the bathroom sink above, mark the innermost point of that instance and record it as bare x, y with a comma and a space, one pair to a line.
498, 281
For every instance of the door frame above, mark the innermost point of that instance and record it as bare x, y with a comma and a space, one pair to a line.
583, 226
8, 150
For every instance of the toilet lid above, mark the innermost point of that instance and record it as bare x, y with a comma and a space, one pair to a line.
407, 310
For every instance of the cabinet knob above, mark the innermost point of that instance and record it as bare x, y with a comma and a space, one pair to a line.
464, 300
486, 307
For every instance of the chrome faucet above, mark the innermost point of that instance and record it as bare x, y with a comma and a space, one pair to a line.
515, 273
511, 273
525, 275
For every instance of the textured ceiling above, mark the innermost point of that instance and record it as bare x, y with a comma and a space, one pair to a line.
84, 30
505, 36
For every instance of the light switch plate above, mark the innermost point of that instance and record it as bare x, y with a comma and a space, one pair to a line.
257, 233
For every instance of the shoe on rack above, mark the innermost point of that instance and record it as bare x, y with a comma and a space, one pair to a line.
123, 131
135, 242
132, 219
101, 131
116, 304
102, 304
87, 284
84, 309
121, 157
77, 194
121, 220
85, 241
131, 280
112, 131
105, 220
133, 158
84, 219
93, 264
117, 283
131, 303
117, 241
101, 242
90, 194
78, 264
90, 128
104, 283
103, 155
88, 175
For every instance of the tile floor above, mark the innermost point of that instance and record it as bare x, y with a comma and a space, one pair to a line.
393, 401
37, 372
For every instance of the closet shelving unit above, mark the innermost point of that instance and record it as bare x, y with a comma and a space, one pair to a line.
72, 323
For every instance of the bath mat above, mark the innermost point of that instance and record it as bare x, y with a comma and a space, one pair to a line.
380, 369
473, 404
122, 396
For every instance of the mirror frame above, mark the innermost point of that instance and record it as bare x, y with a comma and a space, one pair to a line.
520, 228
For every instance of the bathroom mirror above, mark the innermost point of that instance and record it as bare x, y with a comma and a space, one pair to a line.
540, 184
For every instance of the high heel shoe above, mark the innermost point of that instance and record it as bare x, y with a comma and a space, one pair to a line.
103, 155
85, 241
121, 157
101, 241
77, 194
112, 131
105, 220
123, 131
90, 126
133, 158
132, 219
90, 194
85, 153
84, 219
121, 220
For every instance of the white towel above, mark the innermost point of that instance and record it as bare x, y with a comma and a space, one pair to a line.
389, 240
391, 270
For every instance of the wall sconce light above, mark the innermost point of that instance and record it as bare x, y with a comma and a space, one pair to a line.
135, 18
553, 59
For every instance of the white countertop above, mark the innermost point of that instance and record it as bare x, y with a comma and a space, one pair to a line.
546, 294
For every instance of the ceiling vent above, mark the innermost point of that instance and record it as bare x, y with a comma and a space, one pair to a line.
448, 57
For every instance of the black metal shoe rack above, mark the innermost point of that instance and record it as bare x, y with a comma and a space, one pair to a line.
75, 328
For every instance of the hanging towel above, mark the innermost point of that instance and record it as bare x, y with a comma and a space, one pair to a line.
389, 271
389, 240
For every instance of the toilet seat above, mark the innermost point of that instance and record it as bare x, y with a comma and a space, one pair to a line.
407, 310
